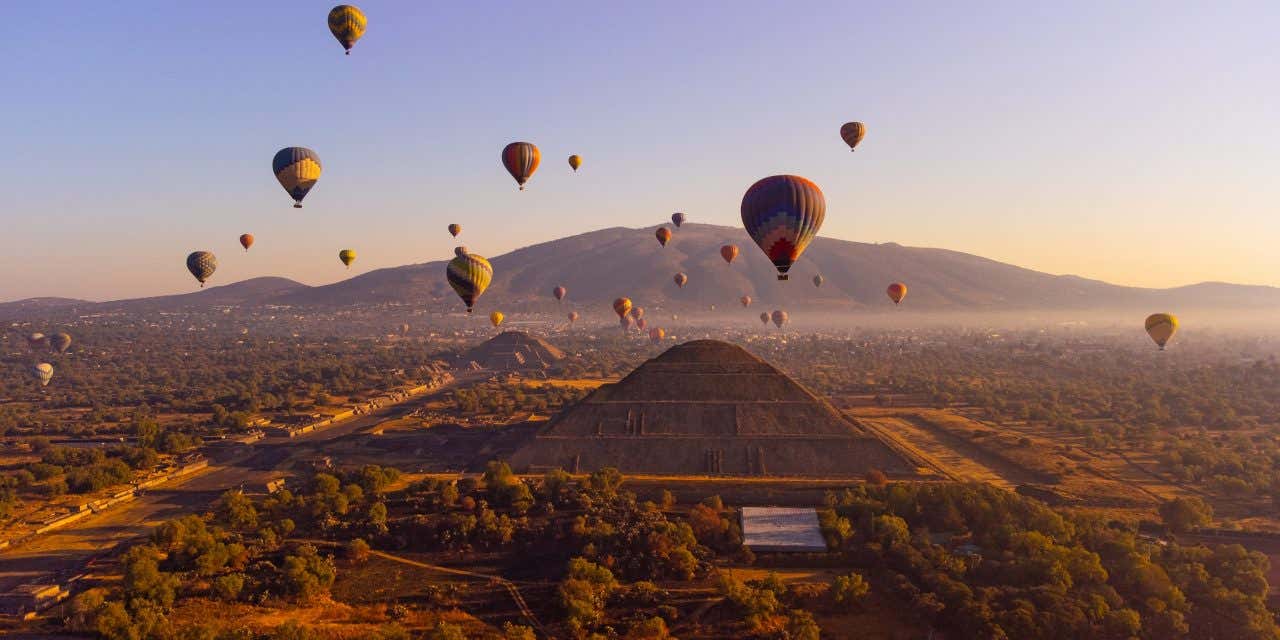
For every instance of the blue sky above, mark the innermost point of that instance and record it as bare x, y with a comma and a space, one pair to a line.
1134, 143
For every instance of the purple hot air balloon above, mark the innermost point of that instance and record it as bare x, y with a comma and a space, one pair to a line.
783, 214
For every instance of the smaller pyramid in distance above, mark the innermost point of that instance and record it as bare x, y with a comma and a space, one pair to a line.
511, 351
708, 407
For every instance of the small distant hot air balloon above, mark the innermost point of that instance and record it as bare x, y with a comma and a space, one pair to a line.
1161, 327
60, 342
559, 292
469, 275
817, 280
746, 301
678, 218
783, 214
36, 341
297, 169
641, 323
521, 160
729, 252
573, 317
656, 335
404, 329
663, 235
455, 229
764, 318
246, 240
347, 256
43, 373
680, 279
575, 161
622, 306
202, 264
496, 318
347, 23
853, 133
779, 318
896, 292
625, 323
637, 312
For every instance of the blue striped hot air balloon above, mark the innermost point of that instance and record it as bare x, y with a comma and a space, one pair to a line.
297, 169
783, 214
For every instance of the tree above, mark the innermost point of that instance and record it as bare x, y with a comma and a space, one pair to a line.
801, 626
654, 628
237, 510
850, 589
358, 550
512, 631
584, 591
143, 579
446, 631
1185, 513
228, 587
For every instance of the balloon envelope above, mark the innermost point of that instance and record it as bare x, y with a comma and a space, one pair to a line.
680, 279
637, 312
297, 169
729, 252
622, 306
1161, 327
656, 334
559, 292
764, 317
817, 280
852, 133
36, 340
202, 264
43, 373
779, 318
246, 240
347, 23
678, 218
496, 318
455, 229
783, 214
60, 342
521, 160
575, 161
469, 275
896, 292
573, 317
746, 301
663, 235
347, 256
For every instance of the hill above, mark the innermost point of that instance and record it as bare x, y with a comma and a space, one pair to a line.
708, 407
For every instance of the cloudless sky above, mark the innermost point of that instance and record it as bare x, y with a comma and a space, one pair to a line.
1135, 142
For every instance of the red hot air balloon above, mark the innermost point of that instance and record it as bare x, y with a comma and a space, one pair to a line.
729, 252
779, 317
783, 214
663, 235
521, 160
559, 292
680, 279
622, 306
746, 301
573, 317
246, 240
896, 291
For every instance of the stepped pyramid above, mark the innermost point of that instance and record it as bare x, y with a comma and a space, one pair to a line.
511, 351
708, 407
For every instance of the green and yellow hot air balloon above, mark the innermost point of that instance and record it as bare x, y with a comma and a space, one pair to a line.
347, 23
1161, 327
347, 256
469, 275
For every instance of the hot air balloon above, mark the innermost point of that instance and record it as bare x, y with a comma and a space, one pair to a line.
817, 280
641, 323
1161, 327
36, 341
297, 169
347, 256
559, 292
347, 24
455, 229
202, 264
729, 252
783, 214
496, 318
622, 306
663, 235
680, 279
60, 342
625, 322
656, 335
764, 318
246, 240
469, 275
404, 329
521, 160
896, 291
573, 317
637, 312
575, 161
43, 373
779, 318
678, 218
853, 133
746, 301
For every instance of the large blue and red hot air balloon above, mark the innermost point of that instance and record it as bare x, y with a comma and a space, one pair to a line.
783, 214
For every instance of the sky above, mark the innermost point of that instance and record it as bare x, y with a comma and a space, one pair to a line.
1132, 142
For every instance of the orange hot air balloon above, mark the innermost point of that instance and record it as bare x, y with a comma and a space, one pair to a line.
764, 318
780, 317
729, 252
521, 160
852, 133
455, 229
559, 292
246, 240
746, 301
897, 291
622, 306
656, 335
573, 317
637, 312
575, 161
663, 235
680, 279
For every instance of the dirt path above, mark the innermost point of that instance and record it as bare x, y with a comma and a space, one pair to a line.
961, 460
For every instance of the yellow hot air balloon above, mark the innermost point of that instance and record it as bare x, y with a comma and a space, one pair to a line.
896, 291
496, 318
347, 256
622, 306
347, 23
469, 275
1161, 327
575, 161
455, 229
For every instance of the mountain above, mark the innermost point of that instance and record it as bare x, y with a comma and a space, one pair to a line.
599, 266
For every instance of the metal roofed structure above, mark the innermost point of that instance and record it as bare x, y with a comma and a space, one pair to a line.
782, 529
